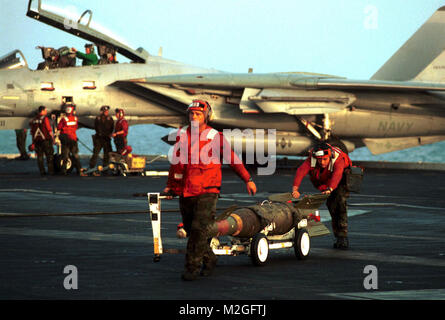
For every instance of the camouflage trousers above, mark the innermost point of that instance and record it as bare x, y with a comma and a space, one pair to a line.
198, 214
337, 206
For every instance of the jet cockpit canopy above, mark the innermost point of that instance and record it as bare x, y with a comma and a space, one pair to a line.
13, 60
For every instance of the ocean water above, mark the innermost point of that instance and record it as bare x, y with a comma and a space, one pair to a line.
146, 139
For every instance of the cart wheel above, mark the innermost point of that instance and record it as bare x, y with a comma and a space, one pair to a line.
259, 249
121, 170
302, 244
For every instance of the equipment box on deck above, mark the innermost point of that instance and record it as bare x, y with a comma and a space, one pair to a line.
354, 178
128, 163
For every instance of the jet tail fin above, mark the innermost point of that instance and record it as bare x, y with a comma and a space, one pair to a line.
422, 57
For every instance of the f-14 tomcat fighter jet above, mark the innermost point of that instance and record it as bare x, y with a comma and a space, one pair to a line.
401, 106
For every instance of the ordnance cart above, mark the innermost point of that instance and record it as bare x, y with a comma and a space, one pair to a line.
128, 164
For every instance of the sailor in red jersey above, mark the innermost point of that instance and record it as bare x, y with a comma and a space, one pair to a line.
120, 131
43, 140
195, 175
68, 137
325, 166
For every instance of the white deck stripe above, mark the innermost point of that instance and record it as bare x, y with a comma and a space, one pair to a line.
147, 239
424, 294
378, 257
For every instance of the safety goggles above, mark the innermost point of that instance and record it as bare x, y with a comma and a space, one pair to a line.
322, 153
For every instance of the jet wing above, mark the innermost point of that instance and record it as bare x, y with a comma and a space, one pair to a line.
237, 80
290, 80
84, 31
347, 84
292, 93
254, 93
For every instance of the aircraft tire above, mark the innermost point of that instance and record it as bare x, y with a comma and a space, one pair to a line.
302, 244
259, 249
70, 164
58, 164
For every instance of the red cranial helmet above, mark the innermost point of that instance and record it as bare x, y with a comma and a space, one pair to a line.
69, 108
104, 108
203, 106
120, 112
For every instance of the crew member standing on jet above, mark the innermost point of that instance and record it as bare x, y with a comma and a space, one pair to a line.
68, 137
195, 175
120, 131
325, 166
89, 57
43, 140
104, 126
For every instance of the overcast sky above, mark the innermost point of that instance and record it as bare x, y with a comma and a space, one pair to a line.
350, 38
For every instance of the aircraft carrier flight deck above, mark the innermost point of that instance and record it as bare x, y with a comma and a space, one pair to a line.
101, 226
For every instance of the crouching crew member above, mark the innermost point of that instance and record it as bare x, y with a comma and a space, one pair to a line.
68, 137
120, 131
195, 175
104, 125
325, 166
42, 140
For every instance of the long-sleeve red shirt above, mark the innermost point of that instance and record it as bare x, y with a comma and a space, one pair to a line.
322, 178
199, 171
41, 129
121, 125
68, 125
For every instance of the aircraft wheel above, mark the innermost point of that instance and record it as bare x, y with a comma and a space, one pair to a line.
302, 244
58, 163
259, 249
70, 164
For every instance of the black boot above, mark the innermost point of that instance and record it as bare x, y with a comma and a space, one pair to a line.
342, 243
207, 268
189, 276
